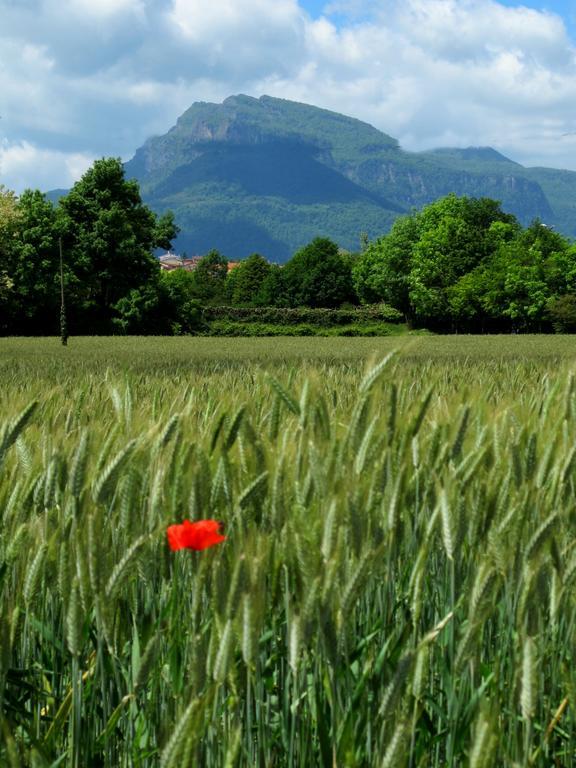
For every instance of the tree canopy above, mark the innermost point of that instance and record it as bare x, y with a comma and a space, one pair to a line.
458, 264
34, 264
318, 276
108, 238
9, 221
246, 282
463, 264
209, 278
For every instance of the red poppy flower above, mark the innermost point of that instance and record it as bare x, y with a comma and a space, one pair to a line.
199, 535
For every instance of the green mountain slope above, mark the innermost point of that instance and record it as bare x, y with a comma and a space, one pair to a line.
269, 174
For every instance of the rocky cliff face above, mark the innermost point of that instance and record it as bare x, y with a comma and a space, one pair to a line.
269, 174
411, 187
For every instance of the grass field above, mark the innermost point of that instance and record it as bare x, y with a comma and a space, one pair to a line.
397, 587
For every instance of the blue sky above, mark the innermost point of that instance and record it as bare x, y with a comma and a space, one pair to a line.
564, 8
81, 79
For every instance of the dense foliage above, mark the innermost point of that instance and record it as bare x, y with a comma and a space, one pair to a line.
251, 284
112, 281
314, 316
462, 264
9, 220
397, 584
110, 236
457, 265
107, 235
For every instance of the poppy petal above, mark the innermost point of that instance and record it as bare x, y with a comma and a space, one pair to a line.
198, 535
175, 537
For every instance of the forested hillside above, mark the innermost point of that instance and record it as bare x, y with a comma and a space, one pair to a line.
268, 175
459, 264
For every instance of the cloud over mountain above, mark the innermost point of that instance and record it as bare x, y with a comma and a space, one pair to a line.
96, 77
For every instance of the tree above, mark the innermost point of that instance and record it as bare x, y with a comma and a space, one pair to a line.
109, 238
272, 292
139, 312
246, 281
318, 276
516, 285
183, 310
381, 271
562, 313
209, 281
9, 217
35, 266
417, 265
164, 306
524, 274
455, 237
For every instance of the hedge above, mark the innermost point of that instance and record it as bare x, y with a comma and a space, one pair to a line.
375, 313
230, 328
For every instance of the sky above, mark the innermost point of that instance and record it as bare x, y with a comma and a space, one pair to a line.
82, 79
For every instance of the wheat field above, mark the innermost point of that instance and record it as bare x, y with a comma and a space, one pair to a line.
397, 585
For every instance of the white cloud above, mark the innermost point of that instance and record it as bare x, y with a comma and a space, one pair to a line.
229, 39
197, 18
85, 78
475, 30
28, 98
24, 165
433, 72
105, 8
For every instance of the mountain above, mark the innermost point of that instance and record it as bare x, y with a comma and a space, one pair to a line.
269, 174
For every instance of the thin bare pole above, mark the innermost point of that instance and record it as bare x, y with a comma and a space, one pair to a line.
63, 326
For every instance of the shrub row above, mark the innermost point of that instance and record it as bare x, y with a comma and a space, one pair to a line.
230, 328
304, 315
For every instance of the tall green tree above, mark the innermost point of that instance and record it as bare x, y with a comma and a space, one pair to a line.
184, 311
318, 276
9, 215
210, 278
415, 267
514, 287
454, 238
110, 238
35, 266
381, 271
246, 281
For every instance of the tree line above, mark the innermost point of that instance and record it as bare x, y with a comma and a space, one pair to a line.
460, 264
107, 237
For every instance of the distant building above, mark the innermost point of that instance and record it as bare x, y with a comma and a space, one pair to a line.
190, 264
170, 261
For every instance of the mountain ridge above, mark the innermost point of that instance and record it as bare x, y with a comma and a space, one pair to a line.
267, 174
